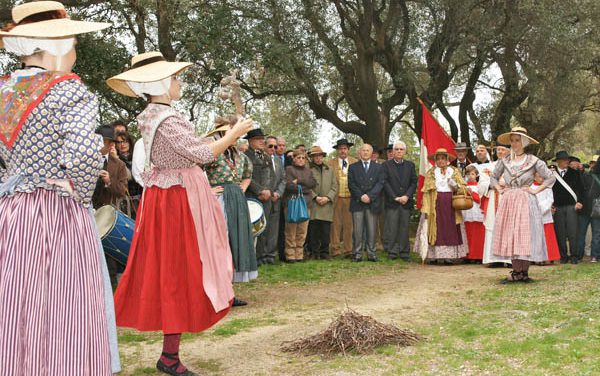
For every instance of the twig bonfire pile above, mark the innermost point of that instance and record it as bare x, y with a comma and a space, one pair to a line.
352, 332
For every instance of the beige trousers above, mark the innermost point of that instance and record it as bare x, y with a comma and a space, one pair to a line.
342, 226
295, 236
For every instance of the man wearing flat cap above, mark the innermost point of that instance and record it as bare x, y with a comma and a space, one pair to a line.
111, 186
112, 182
259, 187
321, 214
568, 194
342, 220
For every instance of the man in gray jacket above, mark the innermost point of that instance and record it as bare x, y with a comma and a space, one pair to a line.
277, 186
260, 186
321, 214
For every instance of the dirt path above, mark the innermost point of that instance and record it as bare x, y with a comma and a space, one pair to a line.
408, 298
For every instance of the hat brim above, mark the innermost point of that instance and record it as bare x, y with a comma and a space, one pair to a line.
349, 144
220, 128
504, 138
54, 29
431, 157
147, 73
319, 153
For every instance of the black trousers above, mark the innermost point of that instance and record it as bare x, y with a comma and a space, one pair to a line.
318, 238
396, 231
565, 226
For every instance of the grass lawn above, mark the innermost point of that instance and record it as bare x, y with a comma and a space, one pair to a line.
550, 327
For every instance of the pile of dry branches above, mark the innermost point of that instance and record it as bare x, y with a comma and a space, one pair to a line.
352, 332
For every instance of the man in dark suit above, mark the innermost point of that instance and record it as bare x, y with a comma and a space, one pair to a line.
277, 186
260, 186
399, 188
461, 161
365, 182
568, 193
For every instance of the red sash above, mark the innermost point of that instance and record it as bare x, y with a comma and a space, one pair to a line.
18, 99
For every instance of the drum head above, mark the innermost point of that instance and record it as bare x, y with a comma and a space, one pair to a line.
106, 217
256, 210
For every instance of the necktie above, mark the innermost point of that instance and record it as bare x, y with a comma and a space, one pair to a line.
344, 164
562, 173
366, 166
273, 162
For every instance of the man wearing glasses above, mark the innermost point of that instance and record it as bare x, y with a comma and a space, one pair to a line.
277, 186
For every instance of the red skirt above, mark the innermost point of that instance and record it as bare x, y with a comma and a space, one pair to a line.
476, 238
161, 289
551, 243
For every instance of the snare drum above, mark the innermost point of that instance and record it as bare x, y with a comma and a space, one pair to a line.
116, 232
257, 217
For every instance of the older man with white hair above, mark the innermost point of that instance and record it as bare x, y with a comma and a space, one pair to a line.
365, 182
399, 188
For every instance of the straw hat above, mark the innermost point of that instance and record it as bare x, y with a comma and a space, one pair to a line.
146, 67
47, 29
441, 151
223, 127
504, 138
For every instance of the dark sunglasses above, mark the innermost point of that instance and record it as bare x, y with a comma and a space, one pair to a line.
271, 146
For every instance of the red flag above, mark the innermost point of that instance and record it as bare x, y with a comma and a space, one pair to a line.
433, 137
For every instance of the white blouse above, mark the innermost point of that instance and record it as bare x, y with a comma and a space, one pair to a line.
441, 181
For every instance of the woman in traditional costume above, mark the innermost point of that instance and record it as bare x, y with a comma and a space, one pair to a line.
519, 228
56, 313
232, 173
179, 272
441, 235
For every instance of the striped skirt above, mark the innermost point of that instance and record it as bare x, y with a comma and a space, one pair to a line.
519, 231
52, 313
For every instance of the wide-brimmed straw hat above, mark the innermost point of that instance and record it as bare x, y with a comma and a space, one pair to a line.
146, 67
504, 138
222, 127
441, 151
50, 28
316, 150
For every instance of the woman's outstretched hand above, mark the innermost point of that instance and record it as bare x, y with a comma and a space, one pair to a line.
241, 127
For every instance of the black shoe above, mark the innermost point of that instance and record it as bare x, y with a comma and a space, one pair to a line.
372, 259
574, 261
392, 257
238, 302
290, 261
564, 261
356, 259
172, 370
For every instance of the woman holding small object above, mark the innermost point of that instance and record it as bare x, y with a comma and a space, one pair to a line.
179, 271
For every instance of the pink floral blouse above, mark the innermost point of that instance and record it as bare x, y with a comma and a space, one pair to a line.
175, 147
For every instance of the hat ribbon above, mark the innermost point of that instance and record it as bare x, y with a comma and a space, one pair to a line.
147, 62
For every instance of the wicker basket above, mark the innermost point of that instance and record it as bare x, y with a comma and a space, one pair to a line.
462, 200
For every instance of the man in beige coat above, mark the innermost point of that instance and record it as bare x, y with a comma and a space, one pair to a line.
321, 215
342, 220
